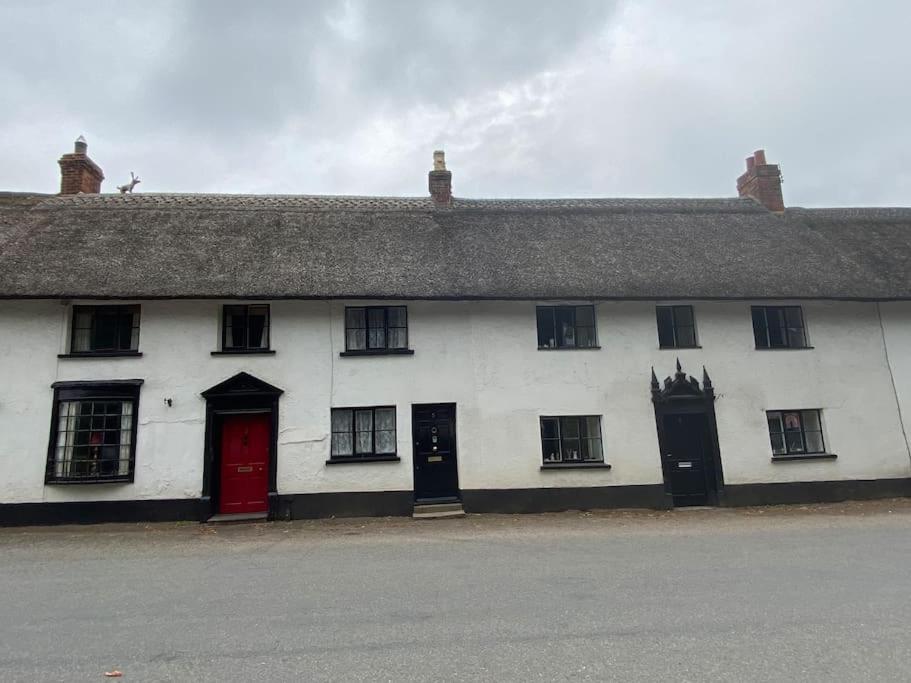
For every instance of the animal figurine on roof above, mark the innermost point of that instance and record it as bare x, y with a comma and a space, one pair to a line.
134, 181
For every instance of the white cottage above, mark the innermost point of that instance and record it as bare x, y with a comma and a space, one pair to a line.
183, 356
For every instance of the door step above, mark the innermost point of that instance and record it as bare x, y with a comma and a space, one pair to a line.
238, 517
437, 510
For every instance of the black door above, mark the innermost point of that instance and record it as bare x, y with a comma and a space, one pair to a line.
687, 459
436, 476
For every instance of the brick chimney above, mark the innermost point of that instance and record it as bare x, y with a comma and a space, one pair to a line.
78, 173
440, 180
762, 182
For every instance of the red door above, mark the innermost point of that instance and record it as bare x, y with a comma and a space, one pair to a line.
244, 463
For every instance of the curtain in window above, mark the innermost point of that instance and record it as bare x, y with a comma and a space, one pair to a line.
82, 331
363, 425
66, 430
385, 430
341, 433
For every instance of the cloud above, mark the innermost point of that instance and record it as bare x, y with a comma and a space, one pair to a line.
581, 98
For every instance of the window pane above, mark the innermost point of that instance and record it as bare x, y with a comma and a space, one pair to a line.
591, 450
376, 338
569, 426
777, 439
549, 428
585, 337
258, 328
686, 336
593, 426
376, 317
551, 450
794, 441
760, 328
355, 317
341, 443
107, 329
341, 420
385, 418
791, 421
793, 316
585, 316
572, 449
385, 442
396, 316
566, 326
777, 334
397, 338
683, 315
811, 420
546, 335
356, 340
665, 327
363, 423
815, 443
775, 424
796, 338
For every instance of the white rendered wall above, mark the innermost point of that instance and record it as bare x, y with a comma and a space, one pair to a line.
896, 322
480, 355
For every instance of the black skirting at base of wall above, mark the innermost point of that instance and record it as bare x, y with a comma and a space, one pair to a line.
351, 504
560, 499
783, 493
401, 503
100, 511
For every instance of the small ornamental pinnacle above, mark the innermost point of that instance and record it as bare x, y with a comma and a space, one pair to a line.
134, 181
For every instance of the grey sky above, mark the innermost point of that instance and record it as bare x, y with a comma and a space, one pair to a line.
571, 98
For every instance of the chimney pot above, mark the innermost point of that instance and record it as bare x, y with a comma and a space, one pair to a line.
78, 173
762, 182
440, 180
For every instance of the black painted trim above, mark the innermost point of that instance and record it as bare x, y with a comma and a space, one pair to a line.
245, 352
569, 348
369, 458
784, 348
101, 354
378, 352
815, 491
804, 456
92, 384
575, 466
350, 504
101, 511
569, 498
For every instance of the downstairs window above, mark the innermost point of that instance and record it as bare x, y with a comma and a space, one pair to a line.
93, 432
572, 438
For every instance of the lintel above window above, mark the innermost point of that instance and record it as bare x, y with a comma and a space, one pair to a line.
566, 327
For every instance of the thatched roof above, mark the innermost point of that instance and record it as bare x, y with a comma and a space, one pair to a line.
222, 246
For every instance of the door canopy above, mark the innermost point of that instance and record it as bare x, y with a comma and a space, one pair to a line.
682, 387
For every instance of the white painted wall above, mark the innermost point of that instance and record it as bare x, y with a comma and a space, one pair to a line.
896, 324
482, 356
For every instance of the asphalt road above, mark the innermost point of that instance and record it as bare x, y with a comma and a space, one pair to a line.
820, 593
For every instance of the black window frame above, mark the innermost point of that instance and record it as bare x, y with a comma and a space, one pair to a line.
125, 391
803, 450
97, 311
372, 456
246, 348
582, 421
675, 326
553, 310
376, 350
786, 336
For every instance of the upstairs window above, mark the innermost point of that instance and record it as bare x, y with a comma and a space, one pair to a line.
575, 438
779, 327
795, 432
93, 432
566, 327
376, 328
676, 327
105, 330
245, 328
359, 433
